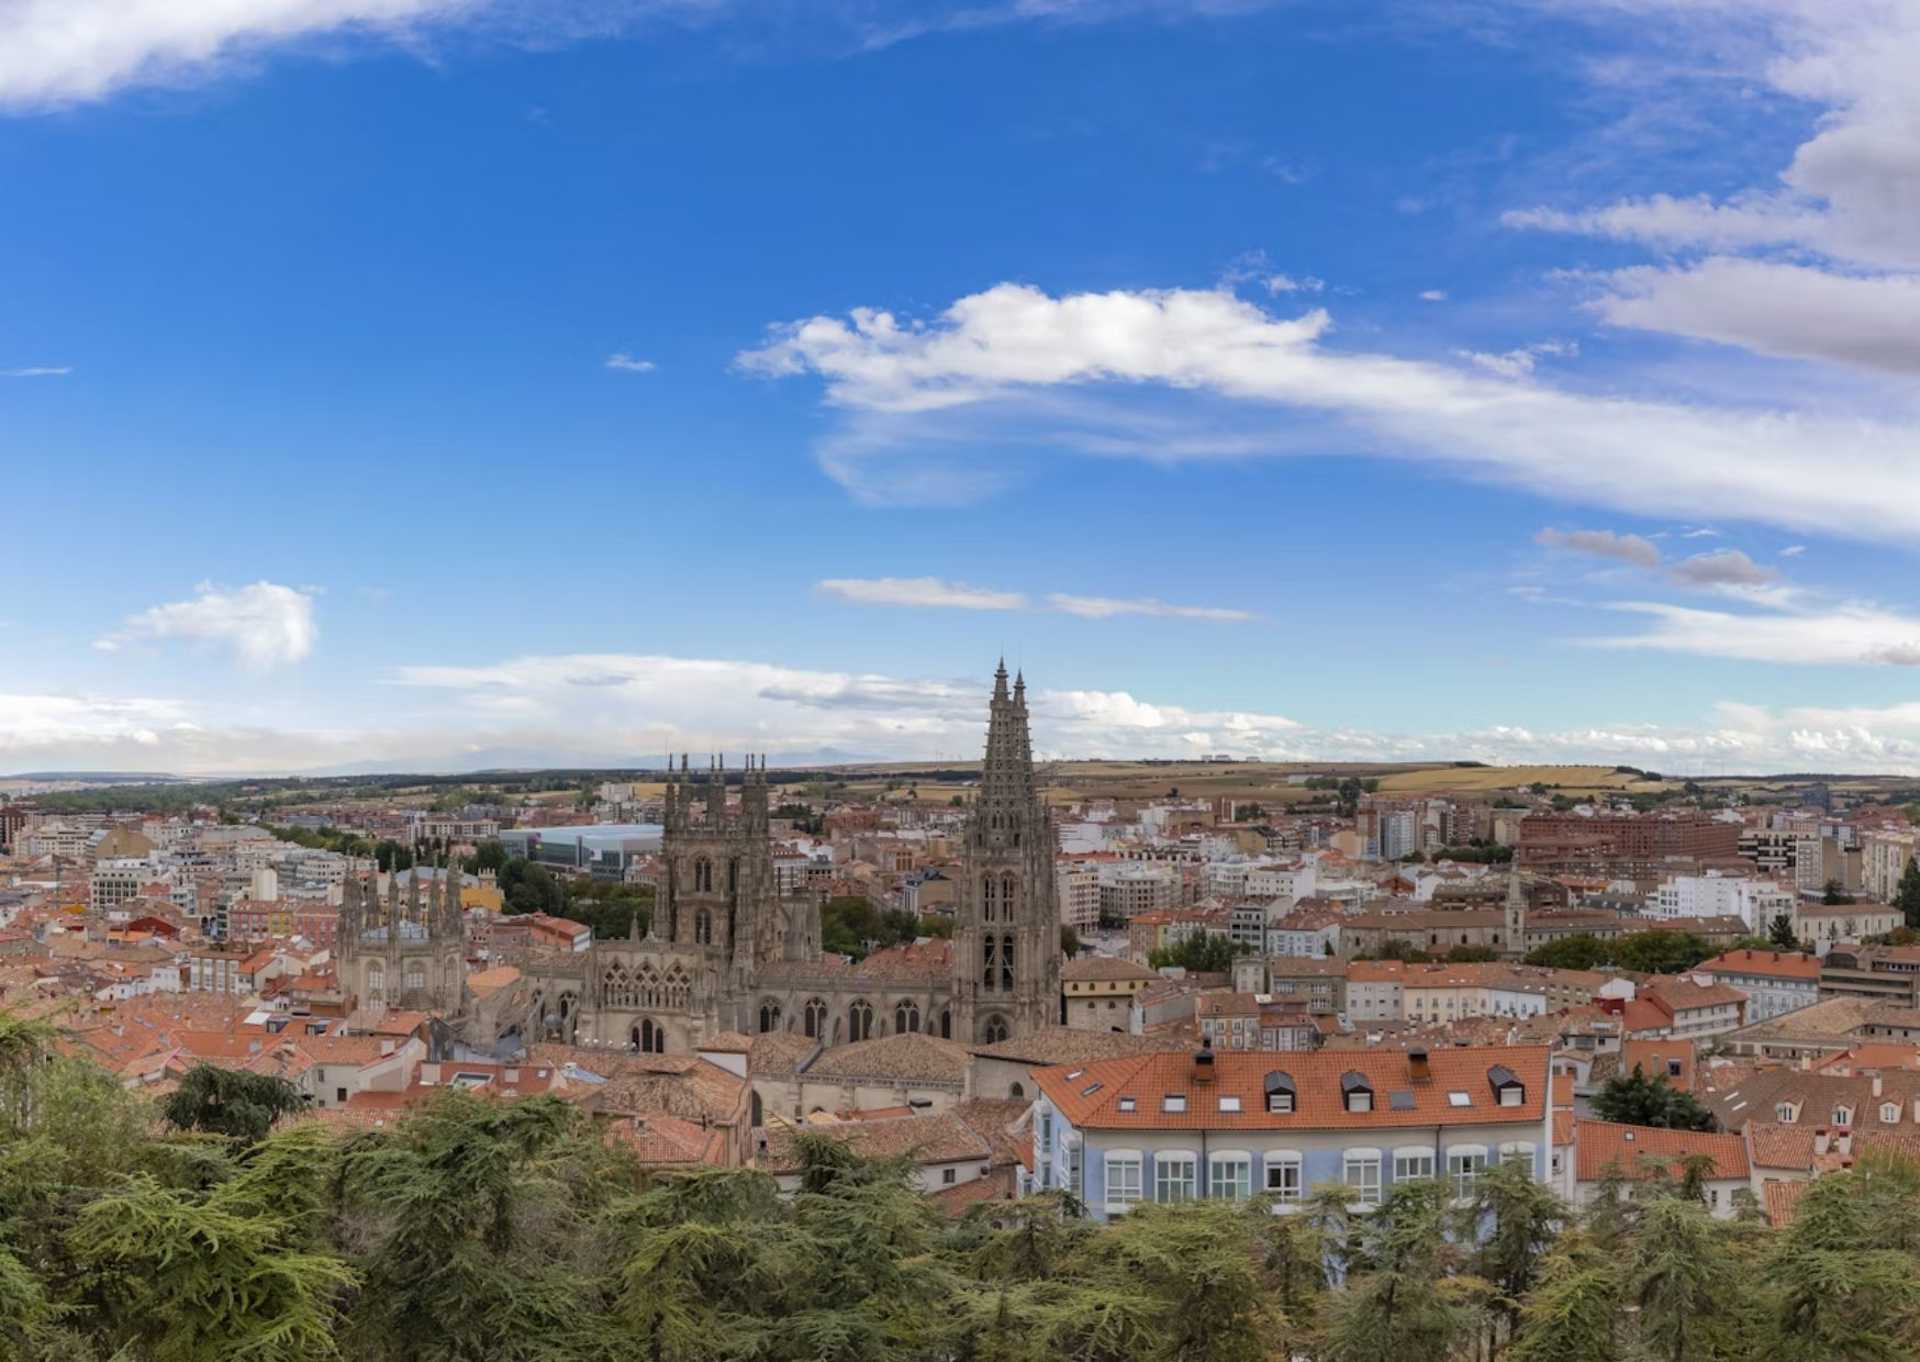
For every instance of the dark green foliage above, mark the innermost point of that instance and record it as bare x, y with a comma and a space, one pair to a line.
854, 925
1201, 953
230, 1102
529, 888
1907, 896
1780, 930
1644, 952
1640, 1099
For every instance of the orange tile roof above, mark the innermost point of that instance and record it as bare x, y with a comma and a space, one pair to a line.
1773, 964
1782, 1199
1090, 1097
1602, 1145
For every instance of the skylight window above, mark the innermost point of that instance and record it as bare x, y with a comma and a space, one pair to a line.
1174, 1102
1074, 1073
1126, 1104
1229, 1104
1090, 1089
1459, 1099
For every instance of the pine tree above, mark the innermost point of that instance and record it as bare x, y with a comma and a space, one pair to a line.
1573, 1312
1849, 1287
1907, 897
1780, 933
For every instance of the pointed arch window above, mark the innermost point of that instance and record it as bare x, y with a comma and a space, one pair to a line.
648, 1038
995, 1030
815, 1016
906, 1017
703, 876
1009, 897
987, 953
946, 1023
703, 928
1006, 963
860, 1020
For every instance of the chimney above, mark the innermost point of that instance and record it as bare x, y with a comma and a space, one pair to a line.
1843, 1141
1876, 1085
1417, 1068
1203, 1061
1820, 1140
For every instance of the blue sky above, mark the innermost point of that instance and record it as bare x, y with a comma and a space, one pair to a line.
409, 383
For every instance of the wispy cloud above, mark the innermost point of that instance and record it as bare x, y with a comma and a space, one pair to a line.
920, 592
936, 593
38, 371
1433, 295
1106, 607
628, 364
265, 625
1627, 548
1517, 363
1722, 567
1793, 550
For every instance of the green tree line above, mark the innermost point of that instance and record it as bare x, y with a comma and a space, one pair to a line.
204, 1229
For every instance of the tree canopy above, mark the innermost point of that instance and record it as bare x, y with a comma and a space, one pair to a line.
476, 1230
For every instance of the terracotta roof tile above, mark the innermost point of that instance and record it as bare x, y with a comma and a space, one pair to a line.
1602, 1145
1090, 1096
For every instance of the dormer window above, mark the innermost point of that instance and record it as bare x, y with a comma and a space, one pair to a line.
1843, 1116
1280, 1094
1508, 1090
1784, 1113
1355, 1092
1889, 1113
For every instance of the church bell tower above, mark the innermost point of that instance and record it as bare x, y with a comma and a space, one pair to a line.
1006, 957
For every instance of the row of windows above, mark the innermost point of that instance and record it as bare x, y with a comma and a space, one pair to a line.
1230, 1172
1788, 1113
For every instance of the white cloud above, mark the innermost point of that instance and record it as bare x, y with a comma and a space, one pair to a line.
1060, 370
1628, 548
1286, 283
265, 624
30, 723
1433, 295
921, 592
55, 52
1793, 550
626, 363
1700, 532
1774, 308
1104, 607
1517, 363
1722, 567
603, 708
38, 371
1846, 203
1849, 634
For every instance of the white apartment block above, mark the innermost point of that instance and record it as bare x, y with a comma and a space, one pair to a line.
1282, 881
1078, 889
1130, 888
1754, 902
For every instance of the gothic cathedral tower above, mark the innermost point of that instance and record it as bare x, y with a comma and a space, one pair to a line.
1006, 957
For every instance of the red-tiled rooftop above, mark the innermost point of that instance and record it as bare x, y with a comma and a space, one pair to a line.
1603, 1145
1090, 1096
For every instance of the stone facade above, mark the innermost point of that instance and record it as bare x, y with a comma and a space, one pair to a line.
725, 951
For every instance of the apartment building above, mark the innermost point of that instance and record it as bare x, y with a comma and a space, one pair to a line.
1179, 1127
1754, 902
1775, 982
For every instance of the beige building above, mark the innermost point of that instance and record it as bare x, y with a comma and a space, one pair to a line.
1884, 857
1097, 991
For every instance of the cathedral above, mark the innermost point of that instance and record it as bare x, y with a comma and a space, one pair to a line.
724, 952
406, 953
